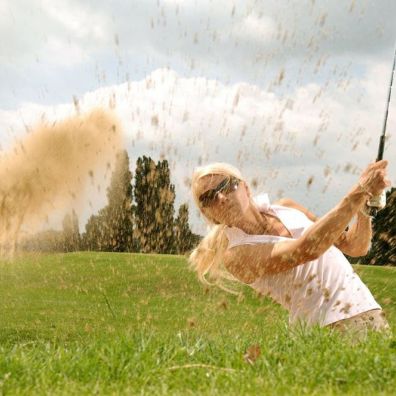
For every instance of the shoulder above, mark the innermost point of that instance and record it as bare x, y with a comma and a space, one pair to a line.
290, 203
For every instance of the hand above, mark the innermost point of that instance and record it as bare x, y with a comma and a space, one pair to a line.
374, 178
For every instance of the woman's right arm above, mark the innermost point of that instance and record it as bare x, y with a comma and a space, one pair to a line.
248, 262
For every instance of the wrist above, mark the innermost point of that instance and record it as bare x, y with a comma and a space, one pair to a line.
364, 213
358, 196
364, 189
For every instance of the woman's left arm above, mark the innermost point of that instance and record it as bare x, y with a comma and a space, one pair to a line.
357, 240
354, 242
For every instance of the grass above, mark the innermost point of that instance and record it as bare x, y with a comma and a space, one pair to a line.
90, 323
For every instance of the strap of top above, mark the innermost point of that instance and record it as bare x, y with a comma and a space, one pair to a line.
238, 237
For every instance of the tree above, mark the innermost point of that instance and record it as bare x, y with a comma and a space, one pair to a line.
165, 209
112, 228
184, 238
44, 241
154, 210
383, 248
117, 215
92, 239
71, 233
144, 210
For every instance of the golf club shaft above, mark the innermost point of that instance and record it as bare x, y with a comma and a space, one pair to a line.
379, 202
382, 139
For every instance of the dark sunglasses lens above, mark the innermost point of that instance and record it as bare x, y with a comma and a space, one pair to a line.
232, 185
211, 193
226, 186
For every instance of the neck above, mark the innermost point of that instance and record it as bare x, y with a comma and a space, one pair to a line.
253, 221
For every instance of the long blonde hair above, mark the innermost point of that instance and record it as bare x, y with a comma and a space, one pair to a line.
207, 257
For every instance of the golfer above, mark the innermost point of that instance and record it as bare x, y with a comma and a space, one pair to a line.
284, 251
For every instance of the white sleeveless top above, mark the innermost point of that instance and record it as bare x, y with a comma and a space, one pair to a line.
320, 291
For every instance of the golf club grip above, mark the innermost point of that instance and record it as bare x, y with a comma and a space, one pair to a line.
376, 203
379, 201
381, 148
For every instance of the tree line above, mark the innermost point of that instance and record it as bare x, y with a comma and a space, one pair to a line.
139, 216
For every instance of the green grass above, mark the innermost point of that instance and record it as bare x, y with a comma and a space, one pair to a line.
89, 323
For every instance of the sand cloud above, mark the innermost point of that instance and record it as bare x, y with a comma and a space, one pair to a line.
48, 169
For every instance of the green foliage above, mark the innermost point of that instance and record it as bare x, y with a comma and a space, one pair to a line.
71, 233
126, 324
144, 210
67, 240
44, 241
91, 239
185, 239
165, 211
112, 228
154, 209
383, 248
117, 215
136, 218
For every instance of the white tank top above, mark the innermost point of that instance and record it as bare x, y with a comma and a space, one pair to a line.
320, 291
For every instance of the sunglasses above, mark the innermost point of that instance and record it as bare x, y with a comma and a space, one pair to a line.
227, 186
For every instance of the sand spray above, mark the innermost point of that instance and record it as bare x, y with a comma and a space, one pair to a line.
49, 167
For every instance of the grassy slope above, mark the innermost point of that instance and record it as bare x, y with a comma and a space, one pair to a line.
120, 323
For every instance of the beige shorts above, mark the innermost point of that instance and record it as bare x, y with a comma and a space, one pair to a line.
359, 325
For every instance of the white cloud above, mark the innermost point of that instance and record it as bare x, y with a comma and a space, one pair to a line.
280, 142
34, 28
253, 28
61, 53
79, 20
68, 46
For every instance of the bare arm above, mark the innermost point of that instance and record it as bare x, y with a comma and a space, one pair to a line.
354, 242
248, 262
357, 240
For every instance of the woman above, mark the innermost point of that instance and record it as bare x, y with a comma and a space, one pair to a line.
286, 252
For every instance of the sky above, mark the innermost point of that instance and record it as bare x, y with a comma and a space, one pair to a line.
291, 92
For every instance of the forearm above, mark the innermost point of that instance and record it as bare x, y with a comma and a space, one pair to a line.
327, 230
358, 237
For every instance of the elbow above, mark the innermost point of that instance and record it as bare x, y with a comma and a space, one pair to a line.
358, 252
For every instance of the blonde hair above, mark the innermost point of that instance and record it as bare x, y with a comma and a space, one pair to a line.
207, 257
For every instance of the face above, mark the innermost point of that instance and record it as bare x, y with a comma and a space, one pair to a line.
228, 204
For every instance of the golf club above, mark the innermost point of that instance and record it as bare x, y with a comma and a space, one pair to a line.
378, 202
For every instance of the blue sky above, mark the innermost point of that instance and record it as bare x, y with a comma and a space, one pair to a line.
311, 78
